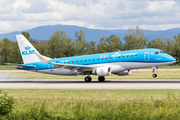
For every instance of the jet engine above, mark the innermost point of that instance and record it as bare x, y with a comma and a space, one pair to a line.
124, 73
103, 71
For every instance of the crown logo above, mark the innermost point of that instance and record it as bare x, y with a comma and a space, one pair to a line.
27, 48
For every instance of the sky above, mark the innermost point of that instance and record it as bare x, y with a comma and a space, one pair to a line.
20, 15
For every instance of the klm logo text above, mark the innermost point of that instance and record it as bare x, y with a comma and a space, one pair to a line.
28, 51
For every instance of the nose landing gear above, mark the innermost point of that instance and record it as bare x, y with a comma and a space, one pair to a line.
154, 75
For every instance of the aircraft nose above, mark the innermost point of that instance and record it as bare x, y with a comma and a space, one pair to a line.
171, 59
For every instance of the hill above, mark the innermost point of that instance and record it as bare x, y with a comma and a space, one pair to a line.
45, 32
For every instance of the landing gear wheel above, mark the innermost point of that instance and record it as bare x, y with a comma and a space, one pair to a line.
154, 75
101, 78
87, 79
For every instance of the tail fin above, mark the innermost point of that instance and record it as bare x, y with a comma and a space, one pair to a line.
27, 50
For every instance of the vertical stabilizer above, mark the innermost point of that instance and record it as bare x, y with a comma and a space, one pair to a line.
27, 50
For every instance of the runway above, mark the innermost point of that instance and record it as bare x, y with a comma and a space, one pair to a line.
80, 84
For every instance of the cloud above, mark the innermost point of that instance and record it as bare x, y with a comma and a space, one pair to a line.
18, 15
155, 6
37, 6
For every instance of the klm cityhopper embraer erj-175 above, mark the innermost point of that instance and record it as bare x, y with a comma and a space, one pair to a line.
120, 63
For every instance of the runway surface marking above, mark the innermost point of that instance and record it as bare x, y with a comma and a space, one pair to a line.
80, 84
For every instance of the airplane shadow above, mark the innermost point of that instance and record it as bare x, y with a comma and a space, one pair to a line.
71, 81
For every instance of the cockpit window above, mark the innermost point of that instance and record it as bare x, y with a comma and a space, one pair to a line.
159, 52
162, 52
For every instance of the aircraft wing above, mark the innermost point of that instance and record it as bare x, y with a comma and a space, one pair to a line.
67, 66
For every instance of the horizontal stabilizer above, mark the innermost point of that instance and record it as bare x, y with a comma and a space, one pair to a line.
20, 65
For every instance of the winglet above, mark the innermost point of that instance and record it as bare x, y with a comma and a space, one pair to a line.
42, 59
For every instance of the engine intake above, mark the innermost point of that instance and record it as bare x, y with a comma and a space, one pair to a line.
103, 71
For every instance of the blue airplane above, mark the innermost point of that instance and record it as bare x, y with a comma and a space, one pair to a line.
119, 63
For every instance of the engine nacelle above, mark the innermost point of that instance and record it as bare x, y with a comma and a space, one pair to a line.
124, 73
103, 71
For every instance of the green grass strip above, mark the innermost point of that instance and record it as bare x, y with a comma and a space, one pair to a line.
94, 104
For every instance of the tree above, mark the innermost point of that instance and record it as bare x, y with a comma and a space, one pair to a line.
91, 47
109, 44
1, 53
170, 48
80, 42
59, 45
135, 39
27, 36
102, 46
114, 43
7, 55
41, 46
159, 44
177, 47
16, 55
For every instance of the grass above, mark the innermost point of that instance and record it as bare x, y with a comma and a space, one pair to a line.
7, 67
169, 67
168, 74
94, 104
88, 94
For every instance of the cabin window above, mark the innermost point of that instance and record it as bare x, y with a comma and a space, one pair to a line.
114, 57
68, 62
131, 55
89, 60
72, 61
118, 56
101, 58
106, 58
84, 60
64, 62
76, 61
98, 59
122, 56
110, 57
136, 55
93, 59
81, 60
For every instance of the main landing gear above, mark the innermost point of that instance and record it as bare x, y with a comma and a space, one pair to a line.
154, 75
100, 78
87, 79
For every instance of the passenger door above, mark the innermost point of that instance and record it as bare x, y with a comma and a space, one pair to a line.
146, 56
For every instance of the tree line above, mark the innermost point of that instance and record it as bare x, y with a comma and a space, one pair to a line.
60, 45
